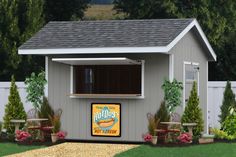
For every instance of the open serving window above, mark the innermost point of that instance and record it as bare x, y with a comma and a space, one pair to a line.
105, 77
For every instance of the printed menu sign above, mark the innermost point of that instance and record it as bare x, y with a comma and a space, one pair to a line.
105, 120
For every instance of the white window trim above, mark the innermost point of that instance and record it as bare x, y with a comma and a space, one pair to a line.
71, 79
207, 108
46, 77
171, 67
198, 80
72, 95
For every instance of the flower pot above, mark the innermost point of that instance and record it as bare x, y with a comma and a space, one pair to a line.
154, 139
54, 138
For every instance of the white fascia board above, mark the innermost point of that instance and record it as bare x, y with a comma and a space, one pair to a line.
108, 50
186, 30
96, 61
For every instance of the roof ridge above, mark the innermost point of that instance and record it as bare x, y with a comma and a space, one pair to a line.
99, 21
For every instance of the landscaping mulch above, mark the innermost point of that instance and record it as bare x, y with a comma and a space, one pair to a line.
78, 149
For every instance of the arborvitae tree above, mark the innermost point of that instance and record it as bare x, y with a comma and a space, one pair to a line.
162, 113
193, 112
14, 109
228, 102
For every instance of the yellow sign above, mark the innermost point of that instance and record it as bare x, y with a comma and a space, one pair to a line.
105, 120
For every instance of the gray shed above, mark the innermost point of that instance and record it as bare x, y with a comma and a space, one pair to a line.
107, 75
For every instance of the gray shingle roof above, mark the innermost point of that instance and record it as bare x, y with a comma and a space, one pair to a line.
113, 33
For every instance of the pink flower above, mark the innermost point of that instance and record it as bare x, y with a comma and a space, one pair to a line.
185, 138
61, 135
147, 138
22, 135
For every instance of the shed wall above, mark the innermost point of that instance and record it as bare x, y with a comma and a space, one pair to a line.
76, 117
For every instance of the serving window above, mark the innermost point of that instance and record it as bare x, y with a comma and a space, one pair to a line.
108, 79
117, 77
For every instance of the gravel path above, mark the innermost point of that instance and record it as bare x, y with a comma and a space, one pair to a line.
77, 150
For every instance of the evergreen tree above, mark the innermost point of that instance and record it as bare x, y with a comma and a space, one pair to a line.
14, 109
19, 20
193, 112
228, 102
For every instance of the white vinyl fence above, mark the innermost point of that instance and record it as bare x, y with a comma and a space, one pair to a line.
4, 93
215, 98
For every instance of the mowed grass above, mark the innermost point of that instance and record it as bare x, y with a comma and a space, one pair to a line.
102, 12
12, 148
206, 150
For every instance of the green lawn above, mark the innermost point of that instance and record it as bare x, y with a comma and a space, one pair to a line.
208, 150
12, 148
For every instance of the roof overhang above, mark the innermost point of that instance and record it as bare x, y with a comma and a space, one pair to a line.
96, 61
110, 50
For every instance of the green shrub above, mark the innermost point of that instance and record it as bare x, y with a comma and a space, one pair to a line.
45, 110
162, 113
193, 112
220, 134
14, 109
229, 125
228, 101
172, 94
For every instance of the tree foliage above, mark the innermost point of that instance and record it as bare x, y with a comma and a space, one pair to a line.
14, 109
172, 94
64, 10
228, 102
193, 112
35, 89
19, 20
217, 19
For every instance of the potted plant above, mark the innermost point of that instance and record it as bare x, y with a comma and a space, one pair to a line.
55, 121
152, 125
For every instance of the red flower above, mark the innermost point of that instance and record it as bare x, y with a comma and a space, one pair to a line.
185, 138
147, 138
22, 135
61, 135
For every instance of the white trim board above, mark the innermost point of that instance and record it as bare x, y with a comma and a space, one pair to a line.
96, 61
108, 50
171, 67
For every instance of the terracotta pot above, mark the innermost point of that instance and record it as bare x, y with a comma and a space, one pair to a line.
54, 138
154, 139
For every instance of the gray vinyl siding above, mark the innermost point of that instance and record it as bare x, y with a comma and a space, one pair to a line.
76, 117
190, 49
